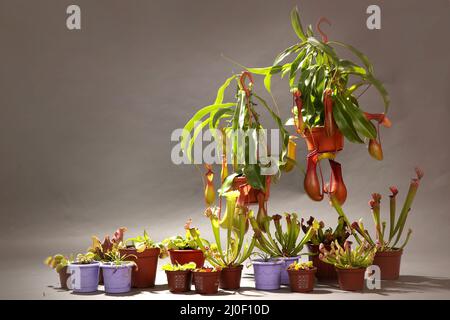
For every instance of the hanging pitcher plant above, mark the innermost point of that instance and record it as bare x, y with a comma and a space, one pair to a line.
325, 97
227, 121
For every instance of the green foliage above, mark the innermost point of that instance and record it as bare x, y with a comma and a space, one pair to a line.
344, 257
140, 243
234, 118
58, 261
301, 266
235, 223
115, 258
86, 258
287, 242
179, 267
315, 66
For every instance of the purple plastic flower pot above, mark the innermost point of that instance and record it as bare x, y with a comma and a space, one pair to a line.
117, 278
84, 277
284, 274
267, 274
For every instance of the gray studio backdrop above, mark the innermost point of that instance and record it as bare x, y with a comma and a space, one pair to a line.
86, 116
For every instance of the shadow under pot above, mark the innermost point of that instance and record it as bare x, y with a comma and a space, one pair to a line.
351, 279
64, 277
287, 261
302, 280
187, 256
267, 274
325, 271
117, 278
389, 263
206, 282
230, 278
84, 277
179, 281
144, 274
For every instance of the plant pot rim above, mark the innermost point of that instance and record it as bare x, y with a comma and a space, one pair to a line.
109, 265
312, 270
267, 263
84, 265
185, 250
179, 271
289, 258
350, 270
207, 273
235, 268
148, 252
390, 253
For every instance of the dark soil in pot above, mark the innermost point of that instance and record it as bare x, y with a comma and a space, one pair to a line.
206, 282
147, 261
325, 271
351, 279
179, 281
389, 263
186, 256
302, 280
230, 278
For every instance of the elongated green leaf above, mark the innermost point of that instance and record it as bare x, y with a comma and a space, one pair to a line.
379, 86
346, 66
325, 48
227, 183
297, 24
220, 114
359, 121
198, 117
221, 91
359, 54
344, 123
283, 55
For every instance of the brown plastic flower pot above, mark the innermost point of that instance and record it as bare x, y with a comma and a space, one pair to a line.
187, 256
318, 139
206, 282
63, 278
351, 279
143, 276
179, 281
230, 278
325, 271
252, 194
302, 280
389, 263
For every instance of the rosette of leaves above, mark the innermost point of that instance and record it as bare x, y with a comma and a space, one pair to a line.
313, 68
327, 236
179, 267
286, 242
225, 120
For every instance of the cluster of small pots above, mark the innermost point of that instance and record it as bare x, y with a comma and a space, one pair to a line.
269, 275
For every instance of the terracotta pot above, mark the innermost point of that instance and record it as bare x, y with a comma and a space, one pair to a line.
179, 281
318, 137
351, 279
206, 282
186, 256
252, 195
325, 271
230, 278
302, 280
389, 263
144, 275
63, 278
